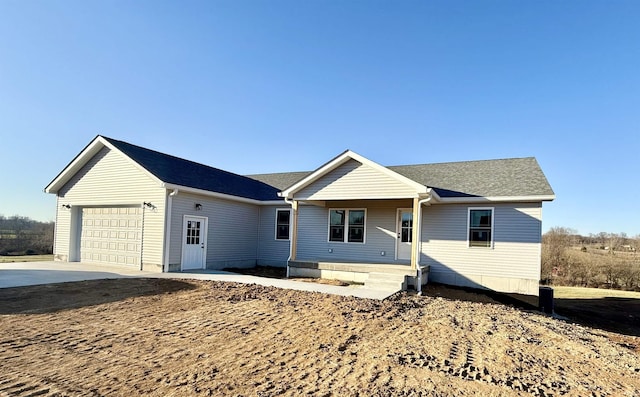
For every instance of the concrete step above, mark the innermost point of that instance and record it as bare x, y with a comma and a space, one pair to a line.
386, 282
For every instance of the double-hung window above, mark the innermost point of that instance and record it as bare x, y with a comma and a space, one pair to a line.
347, 226
283, 222
481, 227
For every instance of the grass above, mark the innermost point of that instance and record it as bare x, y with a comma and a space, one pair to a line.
560, 292
26, 258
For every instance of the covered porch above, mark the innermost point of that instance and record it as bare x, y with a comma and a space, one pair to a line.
356, 221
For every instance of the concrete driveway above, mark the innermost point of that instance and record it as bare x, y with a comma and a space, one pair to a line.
22, 274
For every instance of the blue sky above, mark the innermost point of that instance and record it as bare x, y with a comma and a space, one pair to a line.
271, 86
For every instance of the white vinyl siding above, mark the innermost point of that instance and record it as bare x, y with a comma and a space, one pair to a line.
110, 179
380, 233
232, 239
271, 252
62, 236
352, 181
516, 243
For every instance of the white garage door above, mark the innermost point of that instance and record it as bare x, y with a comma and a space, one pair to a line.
111, 235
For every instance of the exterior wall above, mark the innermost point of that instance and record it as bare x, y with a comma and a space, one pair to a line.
352, 181
271, 252
110, 179
62, 232
512, 265
380, 234
232, 236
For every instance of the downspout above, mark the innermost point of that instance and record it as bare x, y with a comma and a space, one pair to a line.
167, 238
419, 242
293, 214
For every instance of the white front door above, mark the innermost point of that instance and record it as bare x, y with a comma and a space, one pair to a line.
194, 242
404, 230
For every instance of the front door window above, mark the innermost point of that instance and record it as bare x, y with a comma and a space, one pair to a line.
406, 227
405, 234
193, 232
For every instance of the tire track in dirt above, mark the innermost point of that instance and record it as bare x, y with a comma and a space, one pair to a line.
223, 339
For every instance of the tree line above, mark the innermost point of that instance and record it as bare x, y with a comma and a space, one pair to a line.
603, 260
20, 235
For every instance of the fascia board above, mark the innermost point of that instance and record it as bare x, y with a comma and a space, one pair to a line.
75, 165
220, 195
400, 178
83, 157
434, 194
322, 170
497, 199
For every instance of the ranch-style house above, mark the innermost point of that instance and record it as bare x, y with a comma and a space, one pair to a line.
474, 223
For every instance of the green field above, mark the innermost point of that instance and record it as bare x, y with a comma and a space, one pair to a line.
591, 293
26, 258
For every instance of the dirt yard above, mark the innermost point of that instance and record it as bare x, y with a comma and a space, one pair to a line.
162, 337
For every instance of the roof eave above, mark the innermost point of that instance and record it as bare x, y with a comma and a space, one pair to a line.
75, 165
224, 196
511, 199
83, 158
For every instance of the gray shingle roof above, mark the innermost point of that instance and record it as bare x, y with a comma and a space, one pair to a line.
177, 171
484, 178
280, 180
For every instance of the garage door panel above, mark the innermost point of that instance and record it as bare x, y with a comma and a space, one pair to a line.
111, 235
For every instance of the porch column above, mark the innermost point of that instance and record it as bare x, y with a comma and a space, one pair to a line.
414, 234
294, 230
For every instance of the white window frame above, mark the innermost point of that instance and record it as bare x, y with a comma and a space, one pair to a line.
492, 230
276, 224
346, 226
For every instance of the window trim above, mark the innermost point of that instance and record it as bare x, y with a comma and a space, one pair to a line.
345, 240
491, 230
276, 225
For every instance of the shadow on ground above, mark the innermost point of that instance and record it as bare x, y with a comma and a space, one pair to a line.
260, 271
619, 315
482, 296
63, 296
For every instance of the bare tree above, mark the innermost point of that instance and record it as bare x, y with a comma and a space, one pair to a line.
555, 243
614, 241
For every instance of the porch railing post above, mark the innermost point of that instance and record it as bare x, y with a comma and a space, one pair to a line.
294, 231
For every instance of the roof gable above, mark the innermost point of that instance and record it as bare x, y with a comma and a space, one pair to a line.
351, 176
181, 172
171, 170
353, 180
